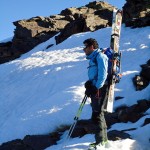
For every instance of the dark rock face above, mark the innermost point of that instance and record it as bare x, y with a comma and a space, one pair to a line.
142, 81
40, 142
31, 32
146, 70
36, 30
117, 135
133, 113
147, 121
126, 114
15, 145
92, 17
33, 142
6, 53
136, 13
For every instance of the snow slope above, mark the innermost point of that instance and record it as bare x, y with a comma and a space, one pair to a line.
43, 89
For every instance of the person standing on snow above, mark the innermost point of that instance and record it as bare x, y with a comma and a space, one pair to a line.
96, 89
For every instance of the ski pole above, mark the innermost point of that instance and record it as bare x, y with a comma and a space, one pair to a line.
76, 118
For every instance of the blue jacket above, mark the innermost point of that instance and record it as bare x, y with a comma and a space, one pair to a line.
97, 70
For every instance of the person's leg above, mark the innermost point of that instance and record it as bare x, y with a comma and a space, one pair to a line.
98, 116
101, 133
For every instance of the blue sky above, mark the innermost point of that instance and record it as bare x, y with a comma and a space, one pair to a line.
14, 10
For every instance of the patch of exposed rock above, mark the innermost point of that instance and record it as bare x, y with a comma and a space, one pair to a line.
33, 31
137, 13
142, 80
94, 16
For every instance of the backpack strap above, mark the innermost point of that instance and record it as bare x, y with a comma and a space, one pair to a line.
102, 50
94, 60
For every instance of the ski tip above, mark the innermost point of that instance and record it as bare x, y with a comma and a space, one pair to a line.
117, 10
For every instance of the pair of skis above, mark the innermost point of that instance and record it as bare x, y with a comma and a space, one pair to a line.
116, 61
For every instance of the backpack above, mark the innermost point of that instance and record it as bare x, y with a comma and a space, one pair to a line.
109, 53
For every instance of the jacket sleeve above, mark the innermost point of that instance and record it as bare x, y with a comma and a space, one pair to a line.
102, 66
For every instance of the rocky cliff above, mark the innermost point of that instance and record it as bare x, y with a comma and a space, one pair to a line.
137, 13
31, 32
91, 17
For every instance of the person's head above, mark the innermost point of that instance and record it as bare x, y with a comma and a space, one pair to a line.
90, 45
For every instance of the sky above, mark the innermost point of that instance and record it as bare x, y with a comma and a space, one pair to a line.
43, 89
15, 10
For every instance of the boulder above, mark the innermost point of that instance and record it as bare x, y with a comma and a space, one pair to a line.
147, 121
15, 145
33, 31
146, 70
94, 16
142, 80
136, 13
118, 135
32, 142
134, 112
40, 142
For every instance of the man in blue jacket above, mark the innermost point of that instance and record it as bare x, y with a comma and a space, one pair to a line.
96, 89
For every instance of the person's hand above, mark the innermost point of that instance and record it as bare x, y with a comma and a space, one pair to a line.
88, 92
88, 84
92, 90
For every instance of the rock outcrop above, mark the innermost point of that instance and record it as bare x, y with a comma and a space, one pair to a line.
91, 17
31, 32
142, 80
136, 13
94, 16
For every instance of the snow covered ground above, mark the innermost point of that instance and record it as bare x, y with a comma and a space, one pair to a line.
44, 88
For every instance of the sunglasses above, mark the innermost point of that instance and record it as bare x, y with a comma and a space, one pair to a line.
85, 46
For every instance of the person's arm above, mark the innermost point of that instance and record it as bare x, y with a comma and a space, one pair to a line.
102, 64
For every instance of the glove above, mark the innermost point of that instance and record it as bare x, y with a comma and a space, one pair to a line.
91, 91
88, 84
88, 92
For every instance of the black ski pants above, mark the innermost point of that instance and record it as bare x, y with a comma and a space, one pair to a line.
98, 118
